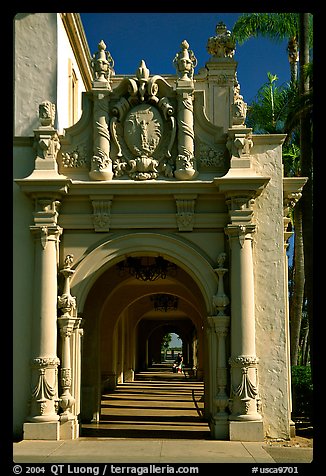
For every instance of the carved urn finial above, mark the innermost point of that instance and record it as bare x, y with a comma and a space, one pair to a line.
185, 61
222, 45
46, 114
102, 64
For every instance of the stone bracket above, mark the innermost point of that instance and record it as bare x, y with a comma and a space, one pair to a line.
185, 211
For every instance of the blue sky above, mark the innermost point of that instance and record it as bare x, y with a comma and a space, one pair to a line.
156, 38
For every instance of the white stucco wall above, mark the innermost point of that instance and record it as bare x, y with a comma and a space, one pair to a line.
42, 51
269, 293
23, 272
35, 67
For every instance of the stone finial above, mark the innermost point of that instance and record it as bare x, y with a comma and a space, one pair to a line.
221, 260
222, 45
46, 113
102, 63
68, 261
185, 62
239, 106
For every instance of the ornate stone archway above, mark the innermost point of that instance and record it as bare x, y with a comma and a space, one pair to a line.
104, 308
162, 167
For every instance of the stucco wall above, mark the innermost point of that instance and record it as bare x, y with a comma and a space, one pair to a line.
35, 66
269, 293
42, 52
23, 272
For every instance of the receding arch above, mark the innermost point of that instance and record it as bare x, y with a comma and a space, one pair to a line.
176, 249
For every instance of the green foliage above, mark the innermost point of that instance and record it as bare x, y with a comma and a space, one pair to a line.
291, 159
166, 342
268, 111
302, 391
275, 26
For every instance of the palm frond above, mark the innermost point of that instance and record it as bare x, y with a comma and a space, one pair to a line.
276, 26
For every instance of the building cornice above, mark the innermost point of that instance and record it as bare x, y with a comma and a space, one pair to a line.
76, 35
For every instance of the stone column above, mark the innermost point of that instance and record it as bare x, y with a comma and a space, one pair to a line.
244, 401
43, 419
185, 61
220, 325
102, 65
68, 322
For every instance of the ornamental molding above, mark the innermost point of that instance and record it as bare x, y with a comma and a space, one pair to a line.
45, 362
243, 361
185, 212
102, 214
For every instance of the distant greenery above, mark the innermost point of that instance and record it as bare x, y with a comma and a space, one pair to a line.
302, 391
166, 342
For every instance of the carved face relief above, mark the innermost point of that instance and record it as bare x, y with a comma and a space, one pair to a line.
143, 130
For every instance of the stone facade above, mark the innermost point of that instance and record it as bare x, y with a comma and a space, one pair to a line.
158, 189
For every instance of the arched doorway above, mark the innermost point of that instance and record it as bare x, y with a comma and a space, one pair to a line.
120, 321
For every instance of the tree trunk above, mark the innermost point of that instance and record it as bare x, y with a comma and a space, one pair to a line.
296, 303
305, 346
306, 170
293, 55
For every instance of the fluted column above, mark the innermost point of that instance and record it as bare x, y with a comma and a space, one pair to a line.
244, 402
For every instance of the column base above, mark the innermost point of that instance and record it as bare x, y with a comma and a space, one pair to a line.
219, 429
292, 429
69, 430
42, 431
246, 430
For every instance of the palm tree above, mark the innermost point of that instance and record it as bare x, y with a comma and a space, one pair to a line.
276, 26
306, 167
297, 29
268, 114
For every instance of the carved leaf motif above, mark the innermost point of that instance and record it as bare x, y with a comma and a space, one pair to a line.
43, 391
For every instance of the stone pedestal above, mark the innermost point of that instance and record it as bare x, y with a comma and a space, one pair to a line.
42, 431
246, 431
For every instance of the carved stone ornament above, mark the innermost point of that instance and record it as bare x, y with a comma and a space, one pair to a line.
143, 127
185, 61
47, 114
77, 158
239, 106
222, 45
210, 157
102, 64
142, 133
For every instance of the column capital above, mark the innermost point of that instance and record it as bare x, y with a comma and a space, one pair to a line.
218, 324
46, 233
240, 231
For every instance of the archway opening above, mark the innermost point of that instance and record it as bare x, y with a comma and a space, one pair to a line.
124, 326
173, 347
